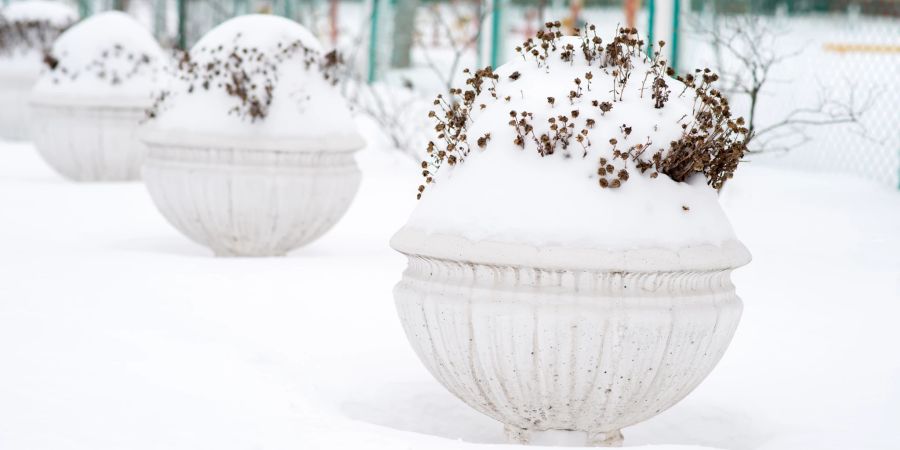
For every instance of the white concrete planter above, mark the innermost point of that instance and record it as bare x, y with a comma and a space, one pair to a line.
251, 197
558, 339
15, 87
89, 140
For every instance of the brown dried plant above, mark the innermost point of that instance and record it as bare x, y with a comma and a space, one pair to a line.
17, 35
248, 74
114, 65
712, 143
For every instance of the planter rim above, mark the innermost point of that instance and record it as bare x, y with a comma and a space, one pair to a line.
414, 242
88, 101
346, 142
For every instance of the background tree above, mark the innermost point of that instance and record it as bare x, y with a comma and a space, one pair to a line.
747, 49
404, 33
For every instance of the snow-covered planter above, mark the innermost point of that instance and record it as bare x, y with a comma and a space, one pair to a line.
27, 30
101, 76
251, 150
569, 263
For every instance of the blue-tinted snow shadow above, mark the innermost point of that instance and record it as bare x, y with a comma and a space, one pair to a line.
427, 408
423, 407
181, 246
174, 245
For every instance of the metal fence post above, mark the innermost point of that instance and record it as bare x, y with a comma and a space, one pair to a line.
373, 40
288, 9
489, 42
84, 8
676, 23
660, 26
182, 23
496, 32
651, 22
159, 19
239, 7
479, 12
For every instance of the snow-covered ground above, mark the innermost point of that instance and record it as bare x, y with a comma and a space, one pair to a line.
118, 333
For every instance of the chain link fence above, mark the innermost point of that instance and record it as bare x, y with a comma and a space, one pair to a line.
840, 57
838, 80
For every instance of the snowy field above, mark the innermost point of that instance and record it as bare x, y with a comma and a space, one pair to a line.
118, 333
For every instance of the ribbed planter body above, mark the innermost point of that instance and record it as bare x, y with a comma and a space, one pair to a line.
249, 198
88, 140
552, 343
15, 87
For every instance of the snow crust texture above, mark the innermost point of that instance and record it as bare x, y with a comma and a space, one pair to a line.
286, 93
108, 56
39, 22
56, 13
118, 333
507, 192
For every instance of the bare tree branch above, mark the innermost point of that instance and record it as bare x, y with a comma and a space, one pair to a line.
754, 46
399, 111
459, 49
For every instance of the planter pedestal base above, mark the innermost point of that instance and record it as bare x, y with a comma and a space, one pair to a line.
224, 253
611, 439
516, 435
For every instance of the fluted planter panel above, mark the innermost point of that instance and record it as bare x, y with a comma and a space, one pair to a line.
14, 92
250, 202
89, 142
583, 349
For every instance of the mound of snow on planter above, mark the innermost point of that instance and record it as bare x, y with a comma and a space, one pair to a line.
108, 57
56, 13
25, 57
284, 68
505, 193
